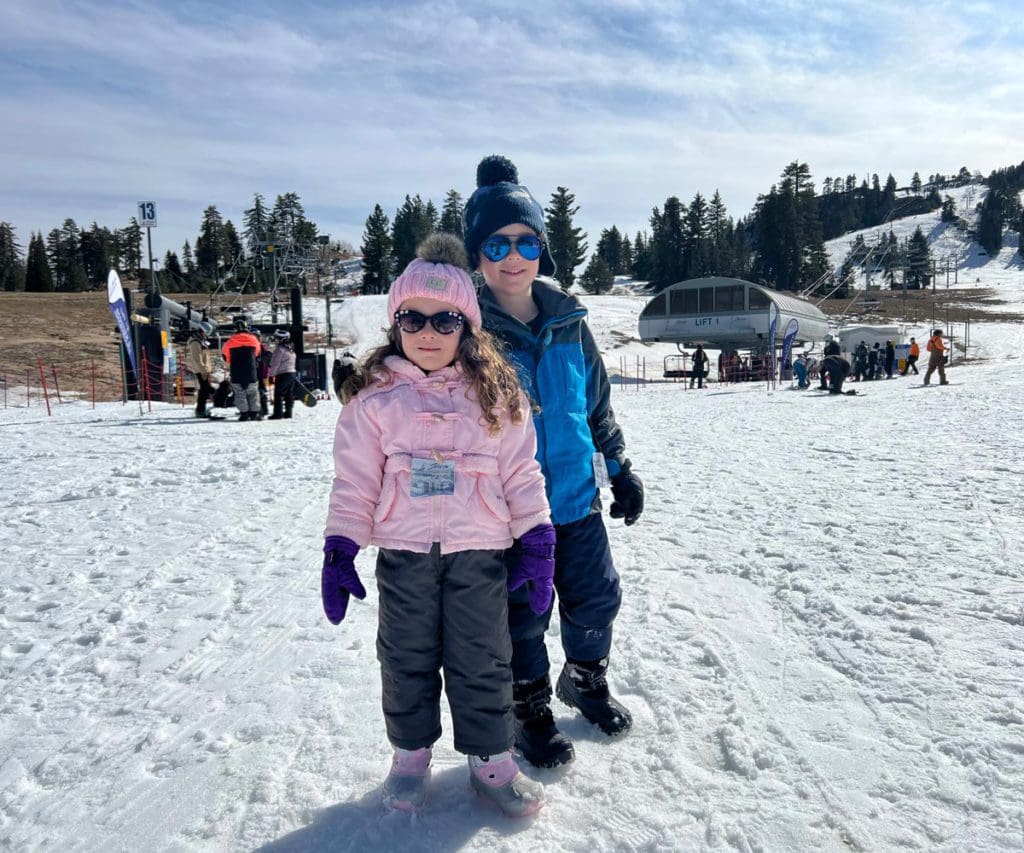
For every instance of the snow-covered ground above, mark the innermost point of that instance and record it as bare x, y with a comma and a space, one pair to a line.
822, 637
959, 261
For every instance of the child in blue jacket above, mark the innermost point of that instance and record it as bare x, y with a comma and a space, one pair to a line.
580, 448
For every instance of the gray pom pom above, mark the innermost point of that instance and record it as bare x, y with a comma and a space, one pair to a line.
442, 248
494, 169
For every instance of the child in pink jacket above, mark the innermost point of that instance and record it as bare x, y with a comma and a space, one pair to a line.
434, 464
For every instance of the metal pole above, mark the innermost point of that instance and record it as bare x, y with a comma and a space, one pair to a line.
153, 286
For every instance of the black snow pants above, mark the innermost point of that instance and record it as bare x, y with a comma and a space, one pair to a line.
445, 613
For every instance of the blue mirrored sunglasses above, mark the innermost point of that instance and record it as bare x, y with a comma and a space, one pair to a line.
496, 248
444, 322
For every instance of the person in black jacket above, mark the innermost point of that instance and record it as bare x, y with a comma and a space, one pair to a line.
241, 353
831, 349
700, 366
890, 358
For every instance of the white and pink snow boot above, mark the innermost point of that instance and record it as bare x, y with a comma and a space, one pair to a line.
497, 778
405, 789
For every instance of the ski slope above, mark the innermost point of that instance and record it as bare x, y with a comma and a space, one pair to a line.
821, 640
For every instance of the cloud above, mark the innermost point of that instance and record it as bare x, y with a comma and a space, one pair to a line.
626, 102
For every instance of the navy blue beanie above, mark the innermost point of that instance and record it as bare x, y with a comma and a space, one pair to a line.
500, 200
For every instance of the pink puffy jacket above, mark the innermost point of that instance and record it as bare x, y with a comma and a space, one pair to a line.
499, 488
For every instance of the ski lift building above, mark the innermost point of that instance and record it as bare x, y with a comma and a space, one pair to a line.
726, 313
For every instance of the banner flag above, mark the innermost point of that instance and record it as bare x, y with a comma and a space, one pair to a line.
787, 342
115, 296
773, 323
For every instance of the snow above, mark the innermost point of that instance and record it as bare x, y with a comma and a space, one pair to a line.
821, 638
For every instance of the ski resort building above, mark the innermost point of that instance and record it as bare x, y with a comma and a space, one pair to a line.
726, 313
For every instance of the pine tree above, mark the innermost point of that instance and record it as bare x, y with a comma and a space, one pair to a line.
915, 183
695, 248
413, 222
719, 256
609, 249
171, 273
990, 222
10, 258
255, 224
131, 248
64, 252
666, 245
209, 244
919, 260
598, 277
626, 256
641, 258
376, 252
97, 252
188, 263
38, 277
566, 242
288, 222
231, 245
451, 214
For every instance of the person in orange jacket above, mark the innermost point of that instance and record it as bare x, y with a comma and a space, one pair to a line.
912, 355
241, 353
936, 358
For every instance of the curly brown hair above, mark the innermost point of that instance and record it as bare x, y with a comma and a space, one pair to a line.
490, 377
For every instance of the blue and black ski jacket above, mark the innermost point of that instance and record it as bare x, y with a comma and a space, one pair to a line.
561, 372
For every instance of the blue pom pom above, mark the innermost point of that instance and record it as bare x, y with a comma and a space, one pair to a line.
494, 169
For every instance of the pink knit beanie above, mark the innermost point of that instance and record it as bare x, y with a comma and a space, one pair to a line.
440, 271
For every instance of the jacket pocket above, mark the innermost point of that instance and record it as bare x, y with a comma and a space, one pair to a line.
386, 503
491, 496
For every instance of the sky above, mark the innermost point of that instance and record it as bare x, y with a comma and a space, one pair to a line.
625, 102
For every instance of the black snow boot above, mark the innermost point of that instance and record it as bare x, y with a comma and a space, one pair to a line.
582, 685
537, 738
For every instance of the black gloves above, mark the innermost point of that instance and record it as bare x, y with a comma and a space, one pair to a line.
628, 492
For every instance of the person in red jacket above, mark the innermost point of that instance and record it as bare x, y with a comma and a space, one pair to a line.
936, 357
241, 353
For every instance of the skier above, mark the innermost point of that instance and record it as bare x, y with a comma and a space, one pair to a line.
700, 366
580, 446
890, 358
434, 464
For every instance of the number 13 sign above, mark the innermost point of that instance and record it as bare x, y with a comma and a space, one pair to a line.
147, 214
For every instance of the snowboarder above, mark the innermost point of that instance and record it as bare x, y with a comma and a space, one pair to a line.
800, 369
580, 447
435, 464
282, 371
835, 368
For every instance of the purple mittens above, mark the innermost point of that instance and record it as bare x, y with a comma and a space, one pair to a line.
338, 578
536, 567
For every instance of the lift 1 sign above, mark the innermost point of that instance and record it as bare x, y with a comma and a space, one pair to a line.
147, 214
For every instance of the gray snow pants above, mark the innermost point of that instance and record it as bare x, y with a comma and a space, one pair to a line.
247, 397
445, 612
